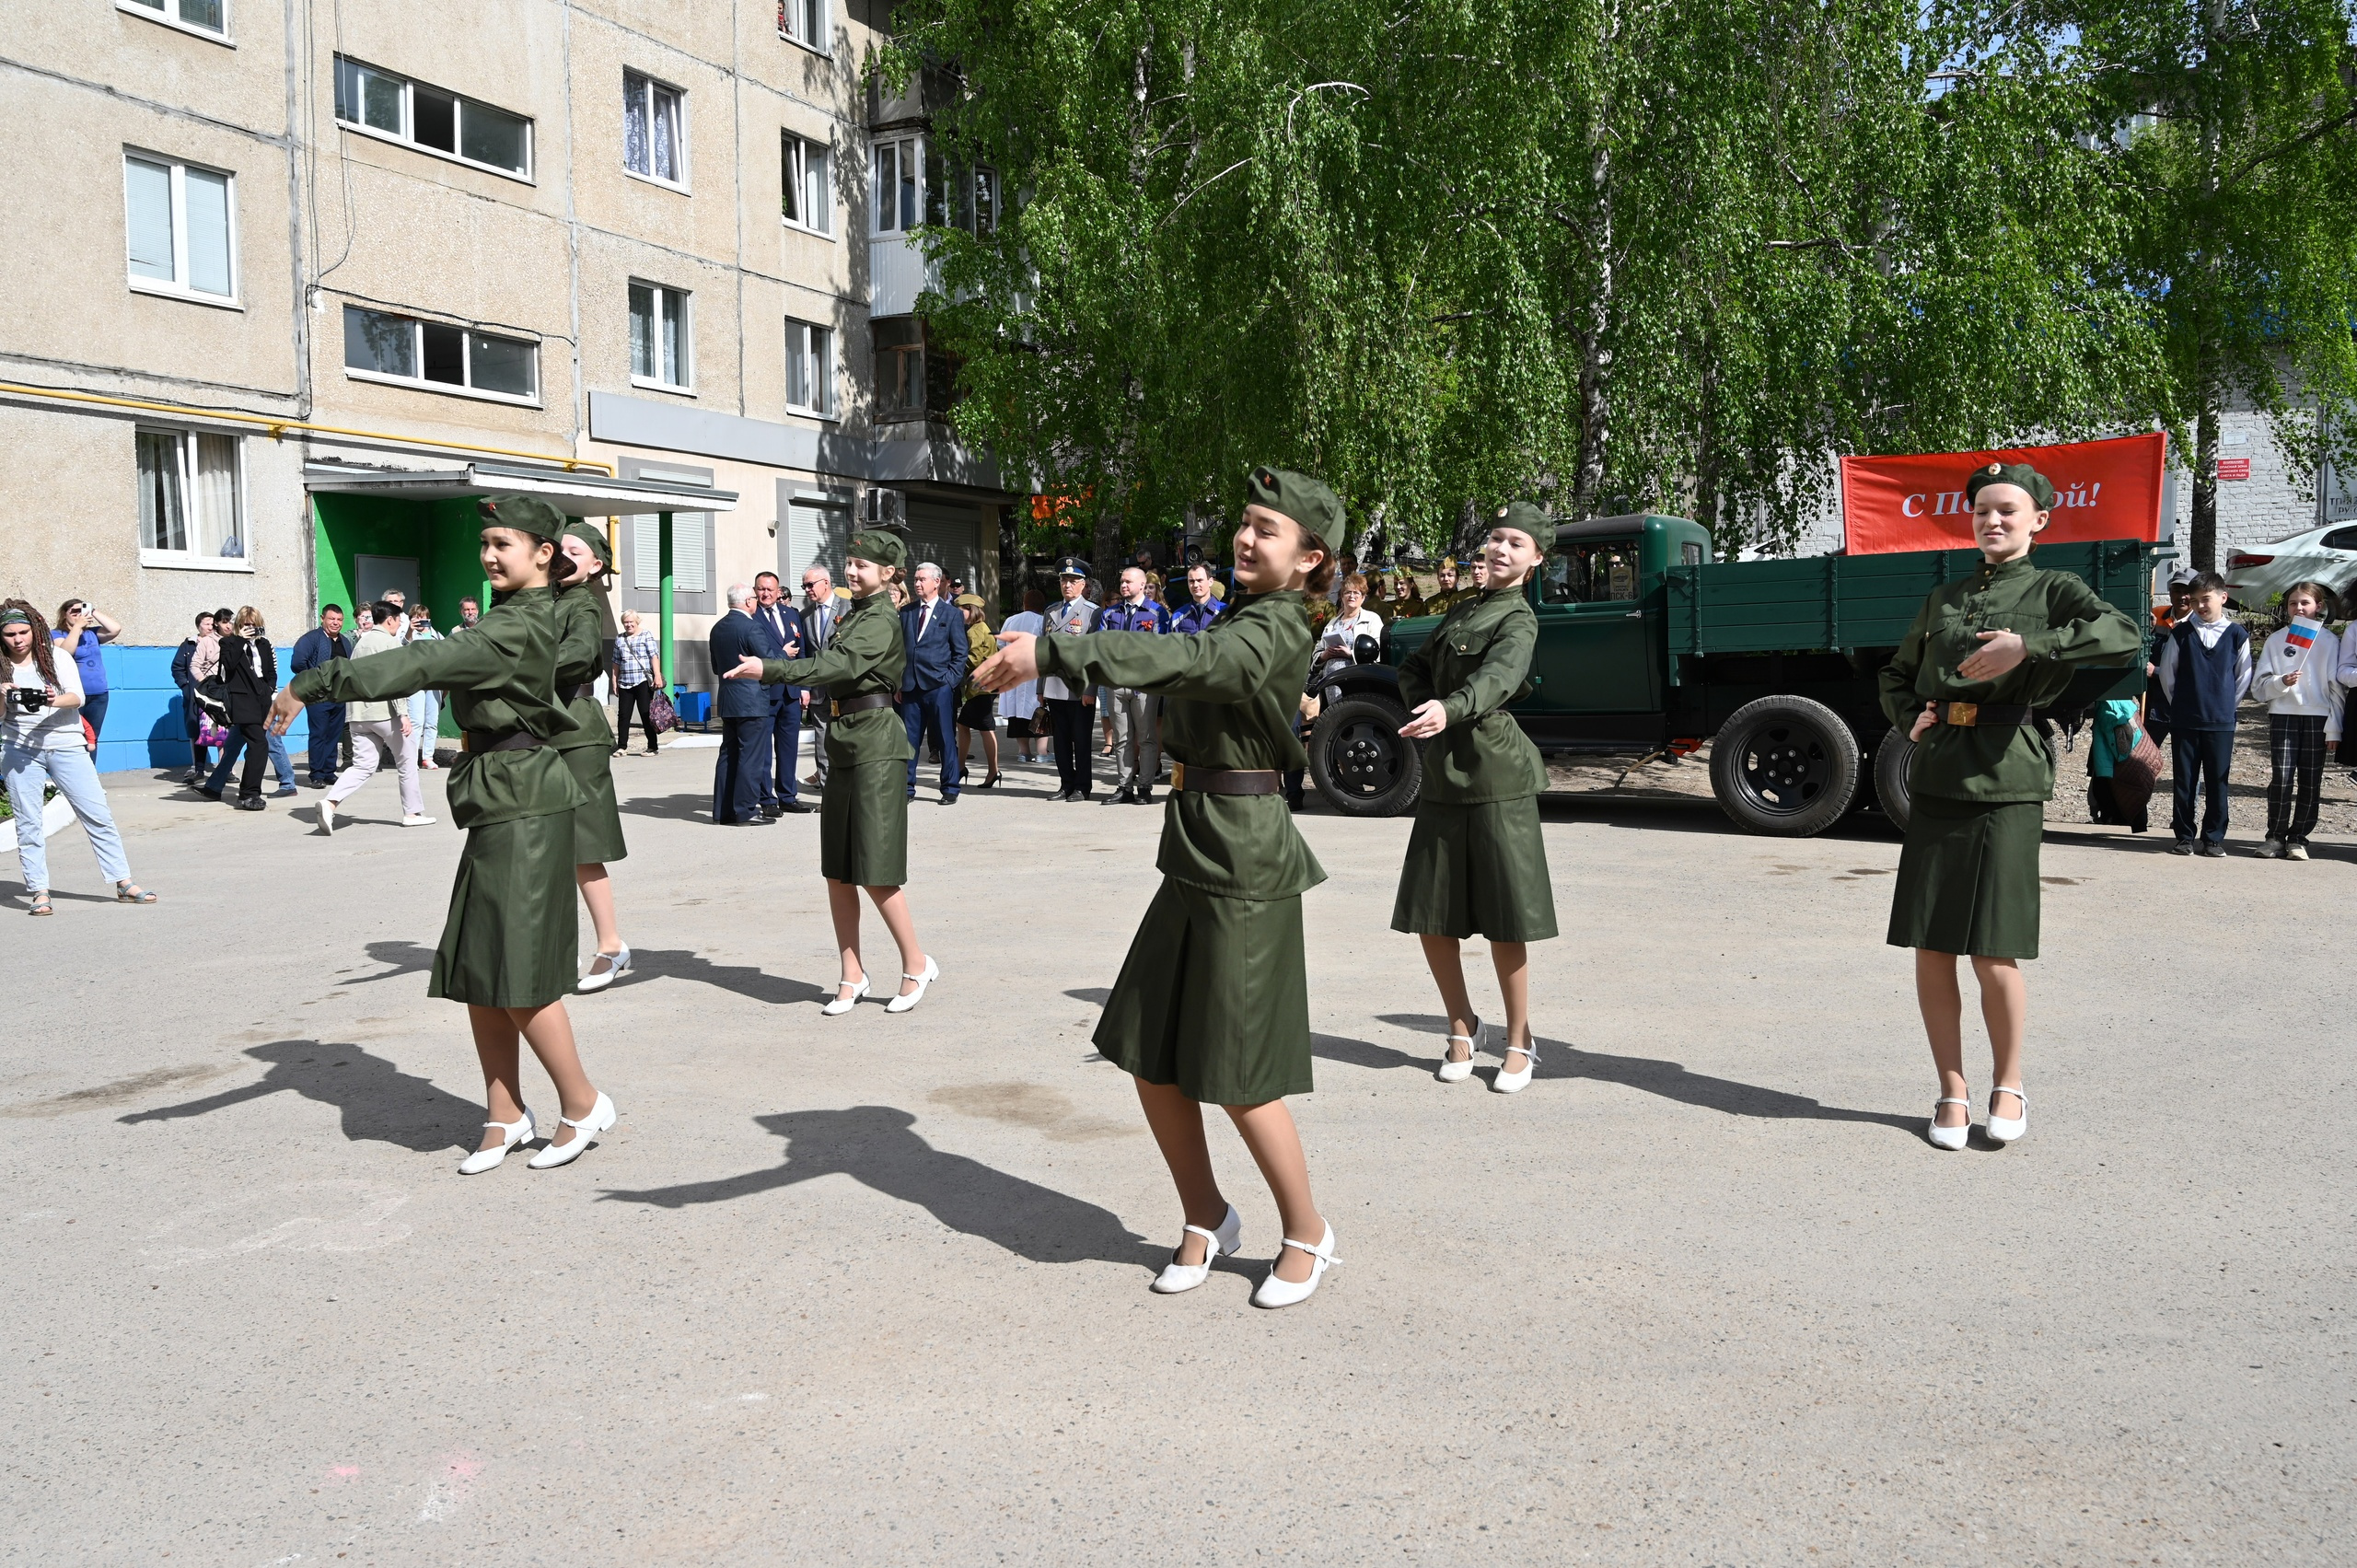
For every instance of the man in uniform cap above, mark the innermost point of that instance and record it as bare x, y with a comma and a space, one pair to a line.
1068, 708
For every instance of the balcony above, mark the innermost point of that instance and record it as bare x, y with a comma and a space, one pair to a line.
897, 273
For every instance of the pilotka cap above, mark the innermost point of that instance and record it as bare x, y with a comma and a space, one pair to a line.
875, 545
1525, 517
2041, 488
1306, 500
528, 513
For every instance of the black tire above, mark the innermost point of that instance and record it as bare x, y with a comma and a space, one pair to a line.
1892, 759
1785, 766
1360, 763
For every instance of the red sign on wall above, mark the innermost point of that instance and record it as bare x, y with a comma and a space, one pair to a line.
2234, 467
2102, 489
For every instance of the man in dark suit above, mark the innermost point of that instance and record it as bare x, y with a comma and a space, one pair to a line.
819, 614
936, 635
781, 792
745, 715
324, 642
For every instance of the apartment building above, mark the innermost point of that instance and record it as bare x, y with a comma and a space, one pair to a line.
292, 282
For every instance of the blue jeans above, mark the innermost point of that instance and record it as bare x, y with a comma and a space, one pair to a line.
2199, 759
426, 723
933, 713
77, 778
281, 764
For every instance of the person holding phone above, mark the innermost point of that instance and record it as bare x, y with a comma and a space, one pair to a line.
81, 628
40, 741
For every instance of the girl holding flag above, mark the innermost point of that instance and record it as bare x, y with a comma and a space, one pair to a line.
2296, 678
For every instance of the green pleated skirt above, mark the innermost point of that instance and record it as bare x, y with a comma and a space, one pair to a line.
1968, 878
598, 820
864, 824
509, 938
1214, 999
1476, 870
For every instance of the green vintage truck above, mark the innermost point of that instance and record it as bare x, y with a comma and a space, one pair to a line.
1649, 645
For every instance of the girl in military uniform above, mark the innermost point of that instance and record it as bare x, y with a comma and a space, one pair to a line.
863, 816
1475, 864
584, 619
1982, 656
1213, 1002
507, 947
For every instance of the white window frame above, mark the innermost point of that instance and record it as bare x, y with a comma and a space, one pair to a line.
652, 84
408, 135
419, 383
687, 303
803, 149
826, 25
824, 375
902, 147
167, 14
188, 560
177, 287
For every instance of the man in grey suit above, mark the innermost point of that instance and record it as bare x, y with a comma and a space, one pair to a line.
1068, 708
818, 630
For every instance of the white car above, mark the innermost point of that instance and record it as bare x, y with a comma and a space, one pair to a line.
2327, 555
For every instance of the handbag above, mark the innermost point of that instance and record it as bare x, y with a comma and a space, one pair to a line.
209, 731
2134, 773
661, 716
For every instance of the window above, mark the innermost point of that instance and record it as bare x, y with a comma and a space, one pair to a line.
809, 369
977, 201
658, 336
180, 227
404, 111
379, 347
802, 178
1590, 574
900, 177
188, 498
653, 122
210, 18
899, 367
804, 21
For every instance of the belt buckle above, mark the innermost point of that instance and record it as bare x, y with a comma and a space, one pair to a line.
1178, 776
1966, 714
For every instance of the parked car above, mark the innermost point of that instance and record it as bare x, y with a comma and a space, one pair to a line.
2327, 555
1646, 645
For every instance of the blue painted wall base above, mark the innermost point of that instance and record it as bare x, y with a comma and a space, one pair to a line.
147, 728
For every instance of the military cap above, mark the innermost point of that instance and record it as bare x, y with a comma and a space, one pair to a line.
1306, 500
1525, 517
2041, 489
594, 537
1072, 566
875, 545
527, 513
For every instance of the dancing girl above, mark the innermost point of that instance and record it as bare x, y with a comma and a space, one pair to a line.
584, 622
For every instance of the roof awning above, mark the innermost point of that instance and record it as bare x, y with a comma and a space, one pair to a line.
575, 494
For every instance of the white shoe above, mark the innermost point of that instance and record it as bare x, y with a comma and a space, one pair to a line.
1176, 1276
902, 1003
419, 820
601, 1116
2295, 850
842, 1004
2004, 1129
327, 826
1507, 1083
617, 965
1275, 1292
1457, 1071
489, 1159
1949, 1137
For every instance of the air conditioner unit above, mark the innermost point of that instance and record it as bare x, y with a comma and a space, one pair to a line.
885, 508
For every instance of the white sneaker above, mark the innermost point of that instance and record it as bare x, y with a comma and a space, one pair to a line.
419, 820
1176, 1276
1457, 1071
2271, 849
902, 1003
1949, 1137
601, 1116
1275, 1292
2295, 850
489, 1159
327, 827
2004, 1129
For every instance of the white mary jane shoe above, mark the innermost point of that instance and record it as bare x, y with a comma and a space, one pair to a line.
601, 1116
489, 1159
1507, 1083
2004, 1129
1176, 1276
1949, 1137
1457, 1071
902, 1003
841, 1003
617, 965
1275, 1292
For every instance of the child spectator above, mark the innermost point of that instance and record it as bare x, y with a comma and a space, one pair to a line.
2205, 670
2296, 678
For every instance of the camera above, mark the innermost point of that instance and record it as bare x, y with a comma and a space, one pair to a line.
28, 699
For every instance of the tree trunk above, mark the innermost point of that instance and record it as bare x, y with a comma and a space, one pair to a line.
1596, 354
2204, 542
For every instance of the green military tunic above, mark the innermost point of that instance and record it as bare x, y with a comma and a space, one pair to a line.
1476, 863
589, 750
1967, 876
1214, 994
863, 816
508, 941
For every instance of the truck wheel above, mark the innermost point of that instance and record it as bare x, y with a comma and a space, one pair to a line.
1360, 763
1785, 765
1892, 759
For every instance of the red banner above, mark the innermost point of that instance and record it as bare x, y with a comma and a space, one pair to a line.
2102, 489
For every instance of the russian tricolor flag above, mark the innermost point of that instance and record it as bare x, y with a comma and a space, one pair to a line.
2303, 633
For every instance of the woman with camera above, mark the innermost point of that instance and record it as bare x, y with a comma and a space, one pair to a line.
40, 741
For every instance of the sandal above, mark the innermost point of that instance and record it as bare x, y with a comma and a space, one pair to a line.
132, 893
40, 904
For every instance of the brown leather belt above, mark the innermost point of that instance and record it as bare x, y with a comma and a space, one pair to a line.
838, 707
1985, 715
1225, 781
482, 740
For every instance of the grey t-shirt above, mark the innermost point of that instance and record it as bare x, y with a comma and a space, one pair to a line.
50, 728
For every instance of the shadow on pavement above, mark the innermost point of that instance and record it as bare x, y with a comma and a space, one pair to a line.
675, 808
400, 958
878, 1146
745, 979
381, 1103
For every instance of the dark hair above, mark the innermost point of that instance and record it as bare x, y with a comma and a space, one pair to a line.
2327, 605
224, 617
2207, 583
64, 605
326, 610
44, 656
470, 598
772, 577
384, 610
1034, 600
203, 616
1322, 577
